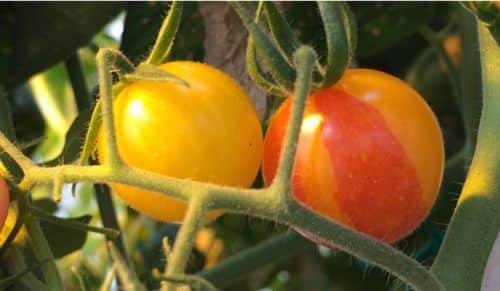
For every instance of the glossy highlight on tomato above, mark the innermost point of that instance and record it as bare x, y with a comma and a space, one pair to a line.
370, 154
207, 132
4, 202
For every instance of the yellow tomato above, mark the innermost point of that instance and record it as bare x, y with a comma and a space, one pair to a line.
208, 131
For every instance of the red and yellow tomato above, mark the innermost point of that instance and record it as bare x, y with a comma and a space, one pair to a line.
370, 154
208, 131
4, 202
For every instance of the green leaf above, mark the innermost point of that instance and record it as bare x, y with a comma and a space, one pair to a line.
143, 21
74, 139
383, 25
39, 36
63, 240
146, 72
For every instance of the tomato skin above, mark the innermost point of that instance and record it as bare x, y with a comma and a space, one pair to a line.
4, 202
208, 132
370, 154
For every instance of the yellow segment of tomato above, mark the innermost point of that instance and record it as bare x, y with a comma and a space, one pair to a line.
208, 131
4, 202
370, 154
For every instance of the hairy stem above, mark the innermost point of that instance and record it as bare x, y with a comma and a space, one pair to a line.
177, 261
305, 59
105, 59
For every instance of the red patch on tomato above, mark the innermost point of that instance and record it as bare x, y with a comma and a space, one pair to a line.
377, 185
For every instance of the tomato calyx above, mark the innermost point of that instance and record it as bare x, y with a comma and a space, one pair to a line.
148, 72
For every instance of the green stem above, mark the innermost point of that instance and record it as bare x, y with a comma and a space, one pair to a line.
363, 247
109, 218
42, 215
7, 147
166, 36
305, 59
42, 253
128, 278
195, 282
17, 265
177, 261
474, 227
94, 126
78, 83
242, 264
103, 197
105, 60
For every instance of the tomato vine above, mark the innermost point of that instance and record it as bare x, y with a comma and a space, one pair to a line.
293, 68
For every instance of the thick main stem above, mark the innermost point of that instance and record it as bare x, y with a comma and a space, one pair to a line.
476, 222
177, 260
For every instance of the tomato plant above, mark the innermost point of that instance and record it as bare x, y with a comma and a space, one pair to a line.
370, 154
350, 149
4, 202
206, 131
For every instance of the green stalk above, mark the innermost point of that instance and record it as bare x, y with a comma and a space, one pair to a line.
305, 59
105, 59
177, 260
363, 247
42, 215
22, 274
103, 196
43, 253
109, 218
166, 36
475, 224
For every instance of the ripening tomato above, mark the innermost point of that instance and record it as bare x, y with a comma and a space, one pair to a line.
207, 132
4, 202
370, 154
